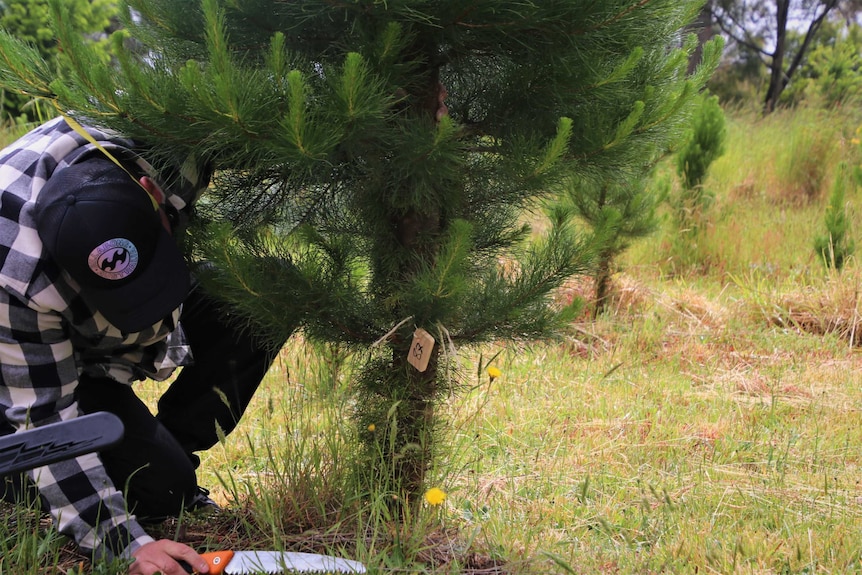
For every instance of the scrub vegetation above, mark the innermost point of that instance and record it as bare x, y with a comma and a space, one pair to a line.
706, 422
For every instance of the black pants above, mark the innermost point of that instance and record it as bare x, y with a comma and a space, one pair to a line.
155, 463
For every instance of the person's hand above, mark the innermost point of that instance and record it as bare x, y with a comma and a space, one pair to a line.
163, 557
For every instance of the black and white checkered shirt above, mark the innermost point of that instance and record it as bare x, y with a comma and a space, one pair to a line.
49, 336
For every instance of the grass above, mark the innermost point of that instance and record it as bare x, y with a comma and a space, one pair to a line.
708, 423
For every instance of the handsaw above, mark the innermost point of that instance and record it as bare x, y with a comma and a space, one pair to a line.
271, 562
54, 442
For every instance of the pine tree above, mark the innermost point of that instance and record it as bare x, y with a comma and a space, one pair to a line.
704, 143
341, 205
836, 246
30, 21
620, 211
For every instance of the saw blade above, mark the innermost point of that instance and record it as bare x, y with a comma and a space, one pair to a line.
273, 562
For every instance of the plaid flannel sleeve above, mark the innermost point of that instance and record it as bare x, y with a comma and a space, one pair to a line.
39, 364
38, 377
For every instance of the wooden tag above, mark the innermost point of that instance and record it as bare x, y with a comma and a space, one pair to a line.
420, 349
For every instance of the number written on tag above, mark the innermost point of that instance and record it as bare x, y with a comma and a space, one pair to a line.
420, 349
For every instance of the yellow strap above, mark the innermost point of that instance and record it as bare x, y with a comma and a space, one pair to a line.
86, 135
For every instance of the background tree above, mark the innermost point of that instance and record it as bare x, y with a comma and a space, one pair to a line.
619, 211
30, 21
766, 28
344, 206
836, 246
832, 75
704, 143
705, 29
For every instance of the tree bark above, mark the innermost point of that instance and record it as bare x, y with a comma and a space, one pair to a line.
603, 284
779, 77
776, 68
704, 28
416, 232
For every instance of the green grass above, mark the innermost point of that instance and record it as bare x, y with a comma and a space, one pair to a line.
709, 423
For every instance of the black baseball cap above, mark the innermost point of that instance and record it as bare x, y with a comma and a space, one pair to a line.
103, 228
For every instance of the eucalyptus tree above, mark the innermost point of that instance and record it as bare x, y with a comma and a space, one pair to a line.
767, 28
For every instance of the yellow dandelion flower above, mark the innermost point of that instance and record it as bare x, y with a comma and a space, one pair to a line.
494, 373
855, 141
372, 427
435, 496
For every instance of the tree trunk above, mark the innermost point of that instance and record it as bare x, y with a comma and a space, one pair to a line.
776, 68
603, 284
704, 28
416, 232
603, 274
413, 451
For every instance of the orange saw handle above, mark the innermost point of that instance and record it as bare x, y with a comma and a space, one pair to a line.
217, 560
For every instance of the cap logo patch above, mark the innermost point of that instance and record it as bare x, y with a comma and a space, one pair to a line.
114, 260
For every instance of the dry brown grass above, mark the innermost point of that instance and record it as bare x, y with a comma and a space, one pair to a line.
828, 308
